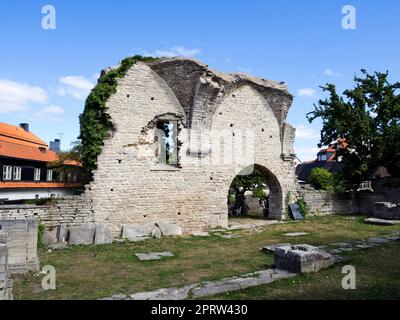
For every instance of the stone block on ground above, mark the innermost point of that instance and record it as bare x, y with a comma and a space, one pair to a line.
103, 234
381, 222
82, 234
153, 255
295, 234
133, 232
169, 229
302, 259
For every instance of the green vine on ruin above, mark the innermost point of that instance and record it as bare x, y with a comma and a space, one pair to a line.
95, 123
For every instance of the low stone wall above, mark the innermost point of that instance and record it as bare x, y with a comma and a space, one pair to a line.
386, 210
74, 210
5, 282
323, 202
382, 192
21, 244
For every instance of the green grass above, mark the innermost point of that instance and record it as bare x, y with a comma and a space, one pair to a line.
377, 277
92, 272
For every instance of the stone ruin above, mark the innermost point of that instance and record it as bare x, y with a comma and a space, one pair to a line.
386, 210
222, 124
302, 258
134, 186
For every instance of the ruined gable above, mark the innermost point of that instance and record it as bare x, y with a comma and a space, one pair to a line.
131, 185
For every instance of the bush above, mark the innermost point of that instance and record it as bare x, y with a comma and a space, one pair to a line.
95, 122
321, 179
303, 206
40, 240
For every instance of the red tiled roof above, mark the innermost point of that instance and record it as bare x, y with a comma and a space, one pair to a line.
19, 184
20, 151
18, 133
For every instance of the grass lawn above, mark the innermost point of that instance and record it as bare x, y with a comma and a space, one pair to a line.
91, 272
377, 277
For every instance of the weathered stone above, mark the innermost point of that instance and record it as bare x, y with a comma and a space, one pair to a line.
62, 233
50, 236
103, 234
272, 247
200, 234
82, 234
153, 255
378, 240
156, 232
21, 244
381, 222
134, 231
295, 234
168, 229
302, 259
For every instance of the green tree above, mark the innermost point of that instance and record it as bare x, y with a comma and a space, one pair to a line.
250, 182
321, 179
368, 118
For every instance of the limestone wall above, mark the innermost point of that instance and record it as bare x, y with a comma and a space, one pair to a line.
5, 281
21, 244
323, 202
129, 187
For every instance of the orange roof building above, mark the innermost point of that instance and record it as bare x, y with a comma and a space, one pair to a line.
24, 166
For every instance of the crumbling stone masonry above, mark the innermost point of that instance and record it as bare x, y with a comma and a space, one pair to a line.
5, 282
21, 244
225, 124
130, 186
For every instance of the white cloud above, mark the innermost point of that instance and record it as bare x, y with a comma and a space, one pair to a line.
330, 73
306, 153
77, 87
49, 113
177, 51
305, 132
306, 92
16, 96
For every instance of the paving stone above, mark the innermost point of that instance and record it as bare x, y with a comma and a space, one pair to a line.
341, 244
378, 240
153, 255
365, 246
381, 222
200, 234
295, 234
165, 294
229, 236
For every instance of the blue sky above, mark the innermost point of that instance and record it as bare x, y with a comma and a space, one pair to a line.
45, 75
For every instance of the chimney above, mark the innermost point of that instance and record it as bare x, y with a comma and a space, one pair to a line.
24, 126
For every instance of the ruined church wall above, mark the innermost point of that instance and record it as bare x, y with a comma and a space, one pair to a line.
128, 188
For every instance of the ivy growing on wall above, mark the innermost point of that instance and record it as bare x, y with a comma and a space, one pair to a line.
95, 122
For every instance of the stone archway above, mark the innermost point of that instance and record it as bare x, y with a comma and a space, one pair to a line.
275, 190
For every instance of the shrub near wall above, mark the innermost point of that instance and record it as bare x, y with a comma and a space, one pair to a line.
95, 122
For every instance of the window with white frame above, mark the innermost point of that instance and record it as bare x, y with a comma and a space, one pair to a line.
36, 175
17, 173
49, 175
7, 172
